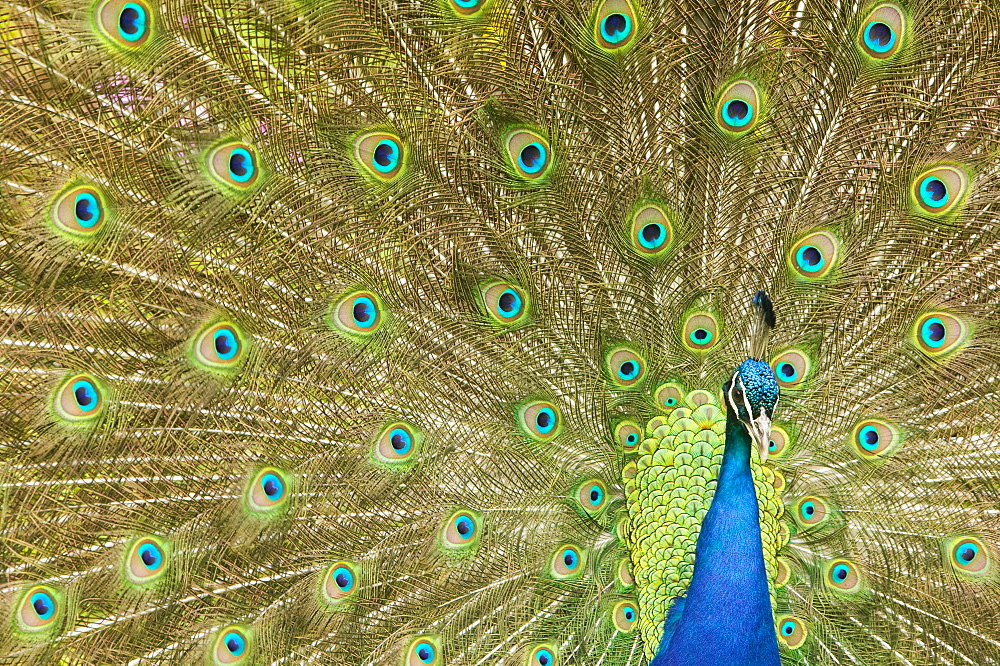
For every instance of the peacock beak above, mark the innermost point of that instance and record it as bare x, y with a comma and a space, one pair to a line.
760, 431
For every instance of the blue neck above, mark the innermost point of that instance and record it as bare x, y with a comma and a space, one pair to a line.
726, 616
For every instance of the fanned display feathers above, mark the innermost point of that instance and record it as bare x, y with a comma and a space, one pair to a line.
395, 331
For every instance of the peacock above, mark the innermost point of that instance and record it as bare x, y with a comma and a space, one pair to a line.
520, 332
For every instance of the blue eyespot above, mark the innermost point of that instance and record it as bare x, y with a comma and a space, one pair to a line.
868, 438
966, 552
616, 28
385, 157
808, 509
43, 604
628, 370
840, 572
343, 578
509, 304
632, 439
364, 312
132, 22
272, 486
235, 643
737, 112
532, 158
879, 37
629, 613
652, 236
424, 652
465, 528
467, 4
150, 555
87, 210
933, 192
596, 495
810, 259
545, 420
932, 332
225, 343
85, 394
400, 441
701, 336
544, 658
241, 166
787, 628
787, 372
570, 559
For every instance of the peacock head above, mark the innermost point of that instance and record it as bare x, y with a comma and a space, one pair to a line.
752, 390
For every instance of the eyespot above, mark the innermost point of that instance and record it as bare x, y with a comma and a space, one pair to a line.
567, 562
540, 420
506, 303
398, 442
127, 24
650, 231
358, 313
592, 495
791, 368
843, 575
939, 190
701, 332
219, 347
529, 154
232, 645
628, 435
814, 256
268, 491
339, 583
79, 398
467, 7
615, 24
939, 333
624, 573
145, 561
543, 655
791, 631
882, 31
461, 530
424, 651
872, 439
778, 445
79, 211
669, 396
625, 614
783, 572
811, 511
739, 107
380, 155
234, 164
625, 367
779, 481
40, 609
969, 555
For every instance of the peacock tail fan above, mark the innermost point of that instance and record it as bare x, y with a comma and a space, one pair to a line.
392, 332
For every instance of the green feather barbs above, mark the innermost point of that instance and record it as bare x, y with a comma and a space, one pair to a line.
79, 212
615, 25
127, 24
882, 31
738, 109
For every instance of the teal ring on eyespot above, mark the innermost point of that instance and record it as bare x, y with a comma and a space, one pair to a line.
596, 489
872, 44
962, 550
570, 558
85, 394
544, 658
866, 439
734, 121
659, 239
628, 370
245, 161
928, 197
807, 510
704, 340
150, 556
272, 486
90, 207
618, 35
45, 601
135, 20
632, 439
771, 446
783, 373
515, 304
225, 344
551, 421
840, 572
400, 436
802, 262
343, 578
368, 308
392, 157
467, 4
537, 164
670, 402
927, 330
234, 643
788, 628
465, 528
424, 652
629, 613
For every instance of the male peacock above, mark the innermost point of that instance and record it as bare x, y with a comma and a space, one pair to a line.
393, 332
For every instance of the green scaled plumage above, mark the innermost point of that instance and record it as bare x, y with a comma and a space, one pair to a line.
374, 331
